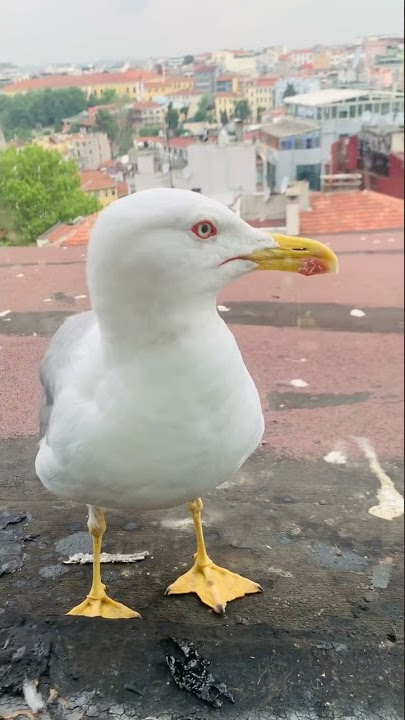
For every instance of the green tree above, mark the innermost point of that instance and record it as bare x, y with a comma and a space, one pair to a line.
109, 96
44, 108
260, 111
242, 110
172, 118
224, 117
290, 91
149, 132
38, 188
184, 111
106, 122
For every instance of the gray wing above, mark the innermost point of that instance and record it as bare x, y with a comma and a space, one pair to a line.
56, 357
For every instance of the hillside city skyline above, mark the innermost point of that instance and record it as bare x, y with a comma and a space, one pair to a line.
138, 28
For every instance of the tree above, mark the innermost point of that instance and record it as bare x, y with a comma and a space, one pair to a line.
149, 132
260, 111
242, 110
107, 123
224, 117
109, 96
43, 108
172, 117
188, 60
184, 111
203, 108
290, 91
38, 188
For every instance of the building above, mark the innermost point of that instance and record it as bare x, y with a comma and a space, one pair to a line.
381, 159
162, 86
290, 150
128, 83
205, 78
343, 112
227, 84
260, 95
225, 106
88, 150
189, 99
147, 113
243, 62
100, 185
222, 172
297, 58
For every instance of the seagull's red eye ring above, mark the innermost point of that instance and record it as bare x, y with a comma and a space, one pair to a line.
204, 229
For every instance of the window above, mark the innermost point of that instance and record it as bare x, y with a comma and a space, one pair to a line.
385, 108
287, 144
106, 194
298, 143
308, 143
343, 112
319, 113
352, 111
327, 113
359, 110
311, 173
334, 112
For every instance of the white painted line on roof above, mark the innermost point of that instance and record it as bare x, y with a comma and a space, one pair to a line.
3, 313
357, 313
390, 501
223, 308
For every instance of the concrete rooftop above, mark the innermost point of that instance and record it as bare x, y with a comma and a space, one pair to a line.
325, 637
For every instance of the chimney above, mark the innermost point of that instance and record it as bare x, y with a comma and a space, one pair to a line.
238, 130
292, 211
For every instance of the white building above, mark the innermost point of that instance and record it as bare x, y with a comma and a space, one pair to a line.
343, 112
289, 150
221, 172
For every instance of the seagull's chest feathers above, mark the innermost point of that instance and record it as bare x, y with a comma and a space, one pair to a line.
165, 420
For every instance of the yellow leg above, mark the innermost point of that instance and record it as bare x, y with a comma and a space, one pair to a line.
97, 602
214, 585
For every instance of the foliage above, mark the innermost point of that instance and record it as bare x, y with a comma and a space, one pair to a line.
290, 91
172, 117
107, 123
224, 117
260, 111
38, 188
24, 112
202, 113
184, 111
242, 110
149, 132
188, 60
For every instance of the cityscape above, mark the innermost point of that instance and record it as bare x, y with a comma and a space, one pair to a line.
261, 131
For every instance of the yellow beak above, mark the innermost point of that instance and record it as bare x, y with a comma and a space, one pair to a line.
295, 254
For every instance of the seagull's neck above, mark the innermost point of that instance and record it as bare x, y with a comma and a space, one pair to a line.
129, 323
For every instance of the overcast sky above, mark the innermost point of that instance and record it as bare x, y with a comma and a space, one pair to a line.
45, 31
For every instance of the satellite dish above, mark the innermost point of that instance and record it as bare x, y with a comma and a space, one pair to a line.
284, 185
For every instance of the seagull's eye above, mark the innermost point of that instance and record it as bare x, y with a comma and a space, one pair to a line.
204, 229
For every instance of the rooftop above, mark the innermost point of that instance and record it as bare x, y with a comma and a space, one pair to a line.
85, 80
69, 234
93, 180
332, 95
286, 126
329, 623
340, 212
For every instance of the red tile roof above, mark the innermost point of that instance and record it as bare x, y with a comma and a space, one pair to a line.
343, 212
226, 95
123, 189
67, 235
146, 105
205, 68
93, 180
85, 80
266, 81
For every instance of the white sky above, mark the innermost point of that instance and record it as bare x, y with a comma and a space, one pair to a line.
45, 31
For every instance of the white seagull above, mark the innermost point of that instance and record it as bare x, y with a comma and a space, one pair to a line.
147, 403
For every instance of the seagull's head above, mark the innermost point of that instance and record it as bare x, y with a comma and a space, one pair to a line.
165, 241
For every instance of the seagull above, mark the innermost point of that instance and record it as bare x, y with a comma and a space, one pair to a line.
147, 403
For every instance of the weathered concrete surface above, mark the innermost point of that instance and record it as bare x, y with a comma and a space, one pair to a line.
325, 637
322, 639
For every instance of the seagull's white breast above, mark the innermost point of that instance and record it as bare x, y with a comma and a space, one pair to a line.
156, 430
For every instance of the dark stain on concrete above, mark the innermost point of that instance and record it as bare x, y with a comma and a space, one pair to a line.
322, 316
307, 401
63, 298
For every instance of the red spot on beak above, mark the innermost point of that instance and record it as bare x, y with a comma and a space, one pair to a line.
313, 266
